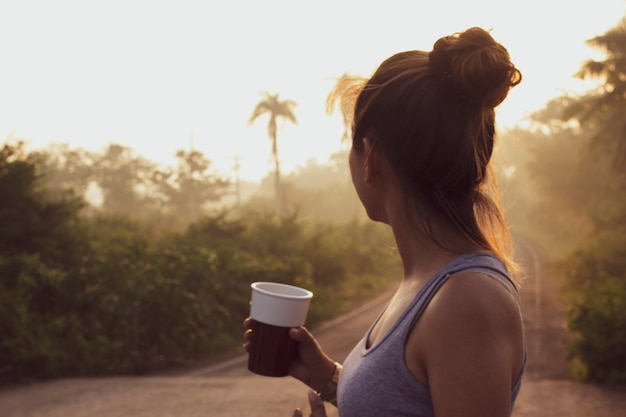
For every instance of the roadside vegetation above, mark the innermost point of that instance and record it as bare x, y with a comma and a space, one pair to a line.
116, 290
566, 187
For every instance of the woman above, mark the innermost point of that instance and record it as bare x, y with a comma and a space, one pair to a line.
450, 342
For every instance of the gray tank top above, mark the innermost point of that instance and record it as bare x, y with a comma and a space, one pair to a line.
376, 382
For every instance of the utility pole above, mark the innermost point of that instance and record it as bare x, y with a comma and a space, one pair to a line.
236, 167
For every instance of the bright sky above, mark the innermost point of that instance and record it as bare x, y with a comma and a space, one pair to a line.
158, 76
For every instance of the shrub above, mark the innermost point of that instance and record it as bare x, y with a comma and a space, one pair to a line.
596, 281
597, 320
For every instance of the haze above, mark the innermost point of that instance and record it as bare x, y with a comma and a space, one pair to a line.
158, 77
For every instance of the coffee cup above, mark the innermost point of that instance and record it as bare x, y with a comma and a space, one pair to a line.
275, 308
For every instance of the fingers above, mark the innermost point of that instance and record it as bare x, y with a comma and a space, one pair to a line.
246, 338
317, 405
247, 323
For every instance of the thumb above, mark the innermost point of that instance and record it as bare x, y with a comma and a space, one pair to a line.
317, 405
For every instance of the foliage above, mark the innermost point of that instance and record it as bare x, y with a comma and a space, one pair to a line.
64, 168
40, 244
186, 190
604, 256
317, 192
117, 181
107, 294
597, 314
38, 326
603, 111
31, 217
596, 274
119, 174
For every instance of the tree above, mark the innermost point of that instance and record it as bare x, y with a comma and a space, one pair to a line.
275, 108
189, 187
604, 111
121, 175
64, 168
33, 220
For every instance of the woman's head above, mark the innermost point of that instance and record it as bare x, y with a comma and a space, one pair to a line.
431, 114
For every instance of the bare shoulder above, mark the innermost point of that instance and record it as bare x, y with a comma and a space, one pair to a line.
475, 295
473, 317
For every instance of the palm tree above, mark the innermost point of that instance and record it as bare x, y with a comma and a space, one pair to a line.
275, 108
604, 111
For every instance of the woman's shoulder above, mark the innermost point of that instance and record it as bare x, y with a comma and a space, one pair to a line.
474, 311
474, 304
476, 293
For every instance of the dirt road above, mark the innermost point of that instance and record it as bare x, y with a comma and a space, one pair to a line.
229, 390
225, 390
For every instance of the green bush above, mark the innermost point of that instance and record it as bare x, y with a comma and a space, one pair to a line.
597, 320
596, 279
137, 303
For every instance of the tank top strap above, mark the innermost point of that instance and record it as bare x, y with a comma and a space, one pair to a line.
482, 262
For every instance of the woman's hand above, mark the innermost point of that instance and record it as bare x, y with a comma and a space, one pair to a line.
311, 366
317, 407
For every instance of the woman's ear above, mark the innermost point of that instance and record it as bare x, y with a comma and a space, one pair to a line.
370, 164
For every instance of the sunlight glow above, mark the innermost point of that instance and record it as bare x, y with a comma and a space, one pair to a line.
161, 76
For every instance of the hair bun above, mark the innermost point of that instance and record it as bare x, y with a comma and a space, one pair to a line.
473, 66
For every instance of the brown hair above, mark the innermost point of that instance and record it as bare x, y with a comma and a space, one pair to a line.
432, 115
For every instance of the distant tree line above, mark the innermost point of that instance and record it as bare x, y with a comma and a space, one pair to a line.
125, 183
